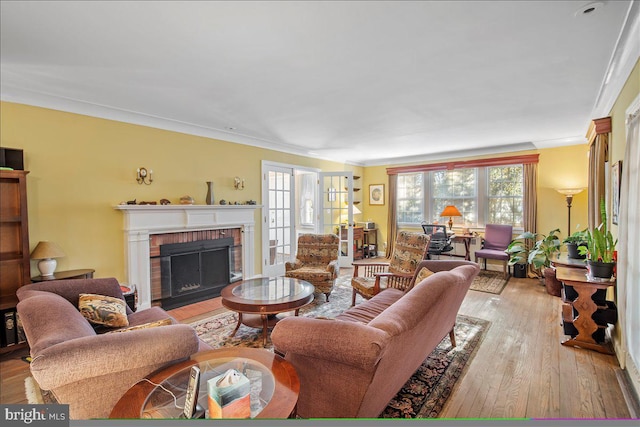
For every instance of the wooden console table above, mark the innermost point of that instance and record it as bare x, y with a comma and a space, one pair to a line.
69, 274
586, 297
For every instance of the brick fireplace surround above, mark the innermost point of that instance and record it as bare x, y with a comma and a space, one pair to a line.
148, 226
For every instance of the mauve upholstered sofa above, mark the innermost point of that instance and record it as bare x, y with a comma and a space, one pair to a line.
90, 371
352, 366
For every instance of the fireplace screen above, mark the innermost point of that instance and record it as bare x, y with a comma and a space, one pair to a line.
195, 271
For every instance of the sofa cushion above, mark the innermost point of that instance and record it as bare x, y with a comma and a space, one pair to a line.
150, 314
370, 309
157, 323
103, 310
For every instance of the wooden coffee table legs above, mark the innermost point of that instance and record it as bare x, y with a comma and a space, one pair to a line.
258, 321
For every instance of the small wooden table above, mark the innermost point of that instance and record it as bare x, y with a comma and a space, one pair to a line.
69, 274
276, 394
466, 239
257, 301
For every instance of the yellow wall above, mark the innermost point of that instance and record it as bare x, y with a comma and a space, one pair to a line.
617, 148
618, 128
81, 167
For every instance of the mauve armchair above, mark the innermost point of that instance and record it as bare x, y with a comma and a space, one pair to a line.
87, 368
494, 244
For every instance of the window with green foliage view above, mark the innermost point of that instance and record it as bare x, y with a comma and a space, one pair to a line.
484, 195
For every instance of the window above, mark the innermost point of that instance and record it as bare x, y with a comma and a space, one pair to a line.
483, 195
410, 198
454, 187
504, 198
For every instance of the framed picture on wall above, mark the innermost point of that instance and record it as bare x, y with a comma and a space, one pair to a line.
376, 194
616, 174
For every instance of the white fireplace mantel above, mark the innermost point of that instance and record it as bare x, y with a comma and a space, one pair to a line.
141, 221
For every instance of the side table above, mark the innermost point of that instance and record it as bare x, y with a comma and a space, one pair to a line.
586, 312
277, 391
69, 274
370, 244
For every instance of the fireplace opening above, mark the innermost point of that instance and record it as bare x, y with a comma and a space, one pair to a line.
195, 271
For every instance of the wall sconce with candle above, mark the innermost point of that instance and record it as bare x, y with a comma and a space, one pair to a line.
144, 176
238, 183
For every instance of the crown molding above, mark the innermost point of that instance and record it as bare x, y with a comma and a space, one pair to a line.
69, 105
624, 58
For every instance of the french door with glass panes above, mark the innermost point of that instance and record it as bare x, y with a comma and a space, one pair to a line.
278, 224
336, 194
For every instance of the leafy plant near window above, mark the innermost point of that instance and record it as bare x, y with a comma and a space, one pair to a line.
541, 251
577, 237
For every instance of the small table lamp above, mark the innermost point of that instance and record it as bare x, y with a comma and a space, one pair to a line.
450, 211
46, 252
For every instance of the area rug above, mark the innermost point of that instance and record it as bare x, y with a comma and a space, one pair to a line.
424, 394
492, 282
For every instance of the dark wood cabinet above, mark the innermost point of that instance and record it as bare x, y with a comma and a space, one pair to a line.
15, 267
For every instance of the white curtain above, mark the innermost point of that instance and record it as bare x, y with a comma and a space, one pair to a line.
628, 284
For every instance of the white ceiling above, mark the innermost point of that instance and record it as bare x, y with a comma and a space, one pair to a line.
363, 82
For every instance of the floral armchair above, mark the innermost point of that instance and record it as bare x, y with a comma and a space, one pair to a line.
410, 248
316, 261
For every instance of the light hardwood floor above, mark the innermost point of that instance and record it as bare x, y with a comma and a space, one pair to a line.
519, 370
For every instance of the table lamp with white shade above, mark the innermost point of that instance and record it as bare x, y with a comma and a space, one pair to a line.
47, 252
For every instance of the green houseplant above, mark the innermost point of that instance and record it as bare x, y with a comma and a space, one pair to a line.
574, 241
527, 248
600, 248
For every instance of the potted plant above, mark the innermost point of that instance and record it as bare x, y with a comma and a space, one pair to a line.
575, 240
600, 248
539, 256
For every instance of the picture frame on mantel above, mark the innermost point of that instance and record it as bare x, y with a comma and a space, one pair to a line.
616, 174
376, 194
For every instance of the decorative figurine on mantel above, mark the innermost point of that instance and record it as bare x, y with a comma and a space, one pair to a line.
186, 200
165, 202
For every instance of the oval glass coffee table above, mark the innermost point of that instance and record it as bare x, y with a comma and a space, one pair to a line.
274, 385
258, 301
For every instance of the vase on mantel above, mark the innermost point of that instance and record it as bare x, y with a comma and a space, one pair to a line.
209, 200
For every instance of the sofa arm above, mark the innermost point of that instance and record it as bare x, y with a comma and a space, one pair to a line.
94, 356
350, 343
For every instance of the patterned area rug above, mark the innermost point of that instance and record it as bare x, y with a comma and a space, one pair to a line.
492, 282
426, 392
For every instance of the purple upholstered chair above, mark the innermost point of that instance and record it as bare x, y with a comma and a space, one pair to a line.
496, 239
